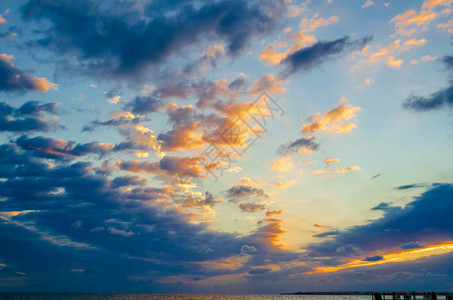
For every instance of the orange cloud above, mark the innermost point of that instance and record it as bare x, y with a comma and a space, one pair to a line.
447, 26
270, 233
375, 57
250, 182
331, 160
282, 185
423, 17
299, 39
429, 4
268, 83
368, 3
169, 165
230, 263
140, 135
412, 42
368, 80
428, 58
411, 17
334, 120
216, 50
38, 84
42, 85
282, 165
392, 257
386, 52
273, 213
392, 62
337, 171
251, 207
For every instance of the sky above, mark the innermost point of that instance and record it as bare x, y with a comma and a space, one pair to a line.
226, 146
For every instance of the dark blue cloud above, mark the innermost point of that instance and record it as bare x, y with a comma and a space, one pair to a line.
411, 245
238, 192
410, 186
28, 117
84, 227
144, 104
295, 146
35, 108
117, 40
12, 79
425, 219
373, 258
127, 180
307, 58
58, 149
437, 100
326, 234
86, 222
385, 206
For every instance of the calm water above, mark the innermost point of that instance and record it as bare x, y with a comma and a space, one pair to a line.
179, 297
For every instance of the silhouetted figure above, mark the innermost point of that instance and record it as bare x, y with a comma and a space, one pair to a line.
377, 296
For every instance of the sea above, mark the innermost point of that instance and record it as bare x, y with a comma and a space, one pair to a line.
58, 296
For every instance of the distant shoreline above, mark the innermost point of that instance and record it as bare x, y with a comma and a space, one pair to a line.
328, 293
358, 293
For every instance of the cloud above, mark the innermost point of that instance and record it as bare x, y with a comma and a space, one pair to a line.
412, 18
282, 185
60, 149
307, 58
373, 258
411, 245
368, 80
412, 42
268, 83
169, 165
251, 207
424, 219
273, 213
248, 249
245, 191
128, 181
113, 230
326, 234
411, 186
337, 171
387, 53
377, 56
446, 26
303, 145
428, 58
331, 160
144, 105
301, 38
368, 3
395, 63
385, 206
31, 116
121, 40
73, 215
13, 79
283, 164
247, 198
437, 100
334, 120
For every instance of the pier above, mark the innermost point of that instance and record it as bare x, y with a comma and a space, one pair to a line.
411, 296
